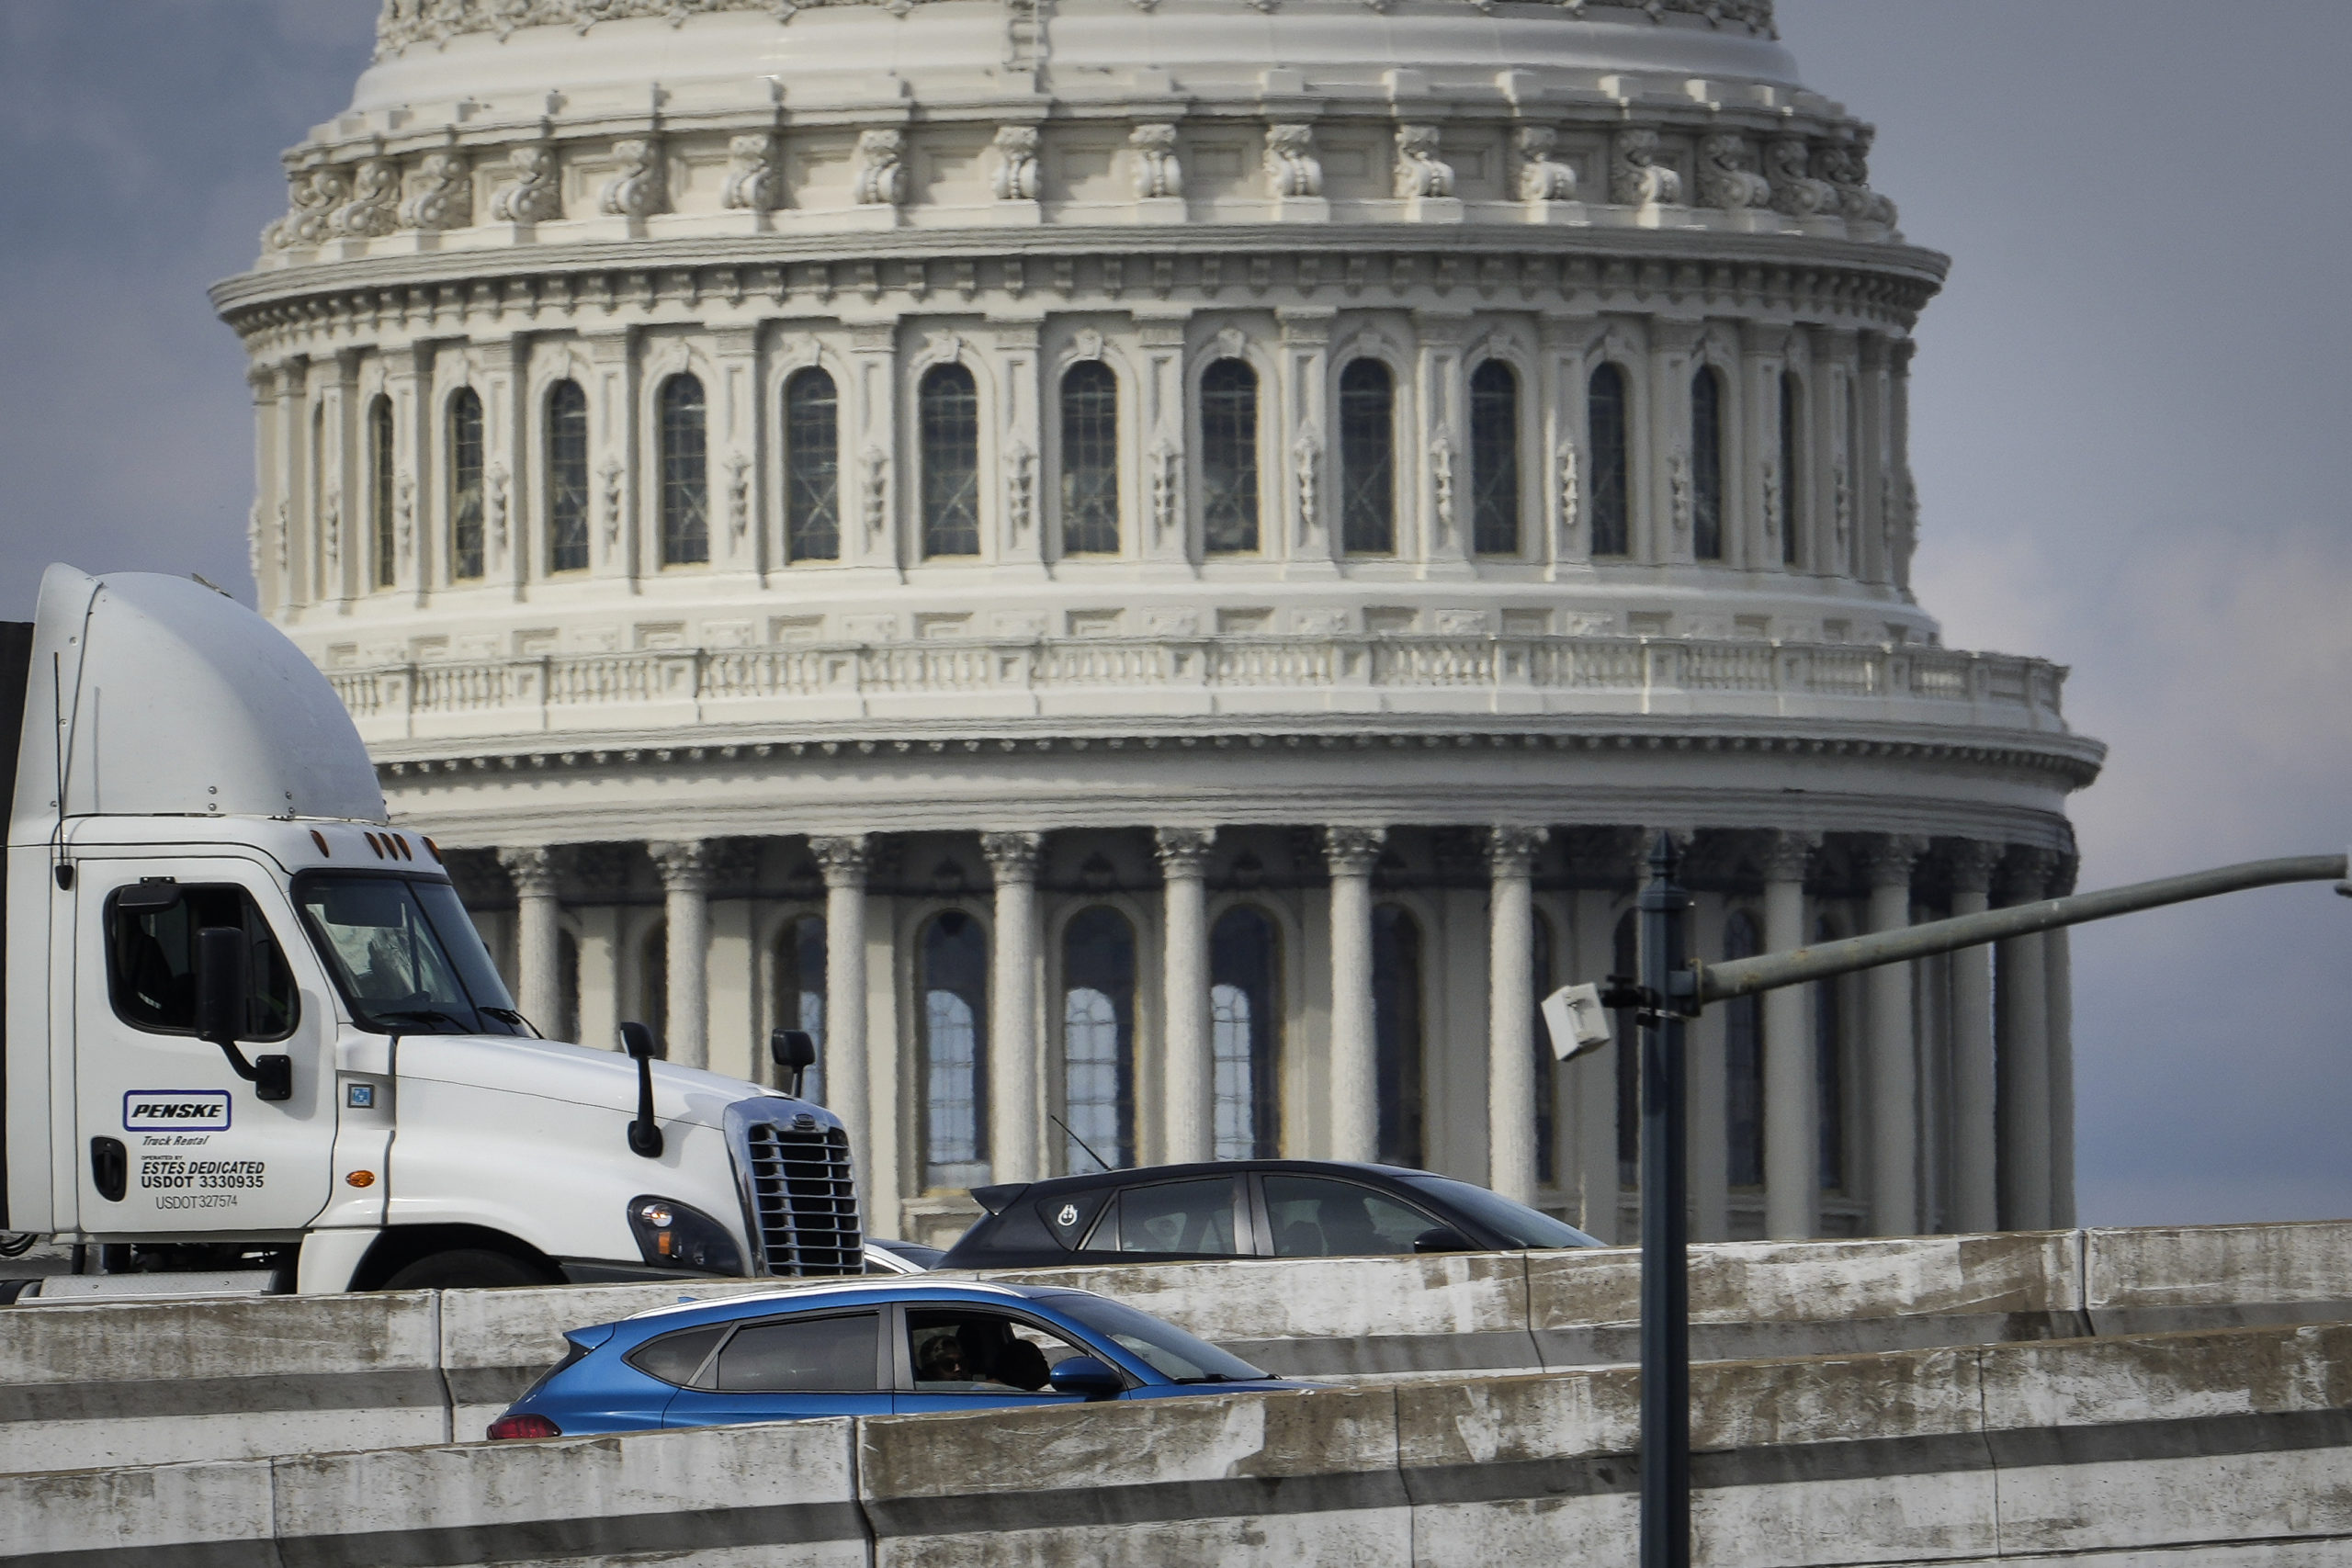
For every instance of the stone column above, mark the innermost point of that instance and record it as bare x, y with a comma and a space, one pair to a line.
1013, 1011
685, 865
1976, 1154
844, 861
2023, 1024
1510, 1012
1596, 1074
537, 935
1792, 1106
1894, 1048
1189, 1112
1350, 852
1304, 524
2058, 981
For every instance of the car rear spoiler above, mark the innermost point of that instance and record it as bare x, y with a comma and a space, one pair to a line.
996, 1200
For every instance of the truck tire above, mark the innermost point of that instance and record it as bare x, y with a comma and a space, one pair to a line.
465, 1268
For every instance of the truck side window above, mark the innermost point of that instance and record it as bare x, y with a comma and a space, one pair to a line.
151, 963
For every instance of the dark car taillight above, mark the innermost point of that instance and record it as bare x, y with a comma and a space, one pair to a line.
512, 1425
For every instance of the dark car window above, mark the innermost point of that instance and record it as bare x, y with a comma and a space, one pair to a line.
675, 1358
1193, 1217
151, 960
974, 1350
803, 1355
1312, 1216
1517, 1224
1163, 1347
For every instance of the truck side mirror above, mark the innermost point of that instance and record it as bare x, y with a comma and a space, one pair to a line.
795, 1051
644, 1133
220, 1012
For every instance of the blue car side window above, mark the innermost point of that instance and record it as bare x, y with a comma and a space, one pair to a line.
675, 1358
803, 1355
969, 1351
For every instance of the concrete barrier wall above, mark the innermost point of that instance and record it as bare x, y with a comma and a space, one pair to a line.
2219, 1446
149, 1382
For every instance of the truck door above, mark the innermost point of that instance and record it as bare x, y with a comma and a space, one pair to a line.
172, 1139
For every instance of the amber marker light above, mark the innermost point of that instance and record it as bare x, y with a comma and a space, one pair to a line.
361, 1178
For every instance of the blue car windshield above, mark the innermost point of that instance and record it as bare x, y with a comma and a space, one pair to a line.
1519, 1225
1164, 1347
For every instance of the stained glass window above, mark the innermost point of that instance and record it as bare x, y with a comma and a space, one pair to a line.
1607, 462
1098, 1039
1245, 1015
1396, 1025
380, 461
948, 417
1791, 455
1367, 459
1707, 465
465, 485
954, 952
567, 478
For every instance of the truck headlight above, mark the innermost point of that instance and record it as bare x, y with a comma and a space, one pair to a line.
673, 1235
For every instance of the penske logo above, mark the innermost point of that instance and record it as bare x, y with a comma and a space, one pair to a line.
175, 1109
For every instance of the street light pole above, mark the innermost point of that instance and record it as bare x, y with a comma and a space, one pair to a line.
1672, 991
1666, 1278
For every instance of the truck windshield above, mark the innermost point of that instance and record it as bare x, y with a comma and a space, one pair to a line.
406, 955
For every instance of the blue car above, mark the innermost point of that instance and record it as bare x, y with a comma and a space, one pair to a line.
867, 1348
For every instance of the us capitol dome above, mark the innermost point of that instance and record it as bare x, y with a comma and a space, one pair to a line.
1144, 568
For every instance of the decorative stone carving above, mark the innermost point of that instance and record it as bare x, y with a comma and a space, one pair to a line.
1794, 191
534, 869
2025, 874
1441, 484
374, 206
1352, 851
1636, 177
536, 193
753, 181
881, 168
285, 540
1541, 176
1842, 494
330, 525
494, 499
1183, 852
1307, 459
685, 864
1971, 863
403, 517
442, 197
1419, 170
1016, 163
1013, 857
1571, 498
1887, 859
313, 196
1727, 176
1787, 856
1771, 499
612, 473
844, 860
640, 188
1167, 489
1020, 488
1157, 173
1677, 481
253, 542
873, 491
1510, 851
1845, 165
738, 495
1290, 166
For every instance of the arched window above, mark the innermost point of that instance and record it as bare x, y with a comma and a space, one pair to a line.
1367, 459
1850, 502
380, 540
653, 986
1830, 1071
1707, 464
1229, 457
812, 468
947, 414
1744, 1064
1494, 460
1605, 444
1245, 1024
799, 996
685, 474
465, 485
567, 478
1089, 460
1792, 455
1396, 1024
954, 955
1099, 1039
1626, 953
1547, 1092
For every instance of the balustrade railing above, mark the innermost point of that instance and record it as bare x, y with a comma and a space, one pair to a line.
1983, 688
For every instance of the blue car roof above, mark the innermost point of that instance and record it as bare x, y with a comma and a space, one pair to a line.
848, 1292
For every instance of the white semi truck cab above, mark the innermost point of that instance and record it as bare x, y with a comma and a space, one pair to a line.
249, 1027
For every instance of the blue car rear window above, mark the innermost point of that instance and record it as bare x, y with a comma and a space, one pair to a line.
674, 1357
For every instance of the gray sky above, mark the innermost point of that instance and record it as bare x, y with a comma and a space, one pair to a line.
2130, 428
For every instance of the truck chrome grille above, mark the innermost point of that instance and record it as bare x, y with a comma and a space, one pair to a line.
802, 1198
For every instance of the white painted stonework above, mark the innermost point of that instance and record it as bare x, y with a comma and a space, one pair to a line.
526, 352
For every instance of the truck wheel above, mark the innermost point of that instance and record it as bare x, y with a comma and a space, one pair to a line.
465, 1268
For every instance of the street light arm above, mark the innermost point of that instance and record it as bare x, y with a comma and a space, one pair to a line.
1770, 971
